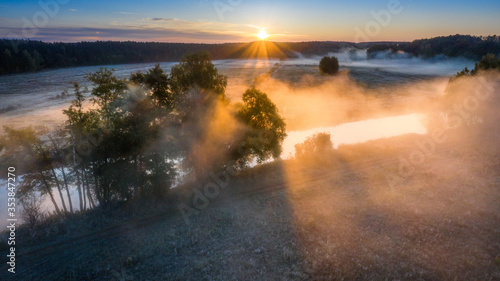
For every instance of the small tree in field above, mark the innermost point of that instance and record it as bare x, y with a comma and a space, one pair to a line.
316, 150
315, 145
329, 65
32, 212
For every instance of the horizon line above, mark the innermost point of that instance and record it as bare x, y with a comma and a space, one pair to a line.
241, 42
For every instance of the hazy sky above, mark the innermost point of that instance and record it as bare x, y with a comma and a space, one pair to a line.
240, 20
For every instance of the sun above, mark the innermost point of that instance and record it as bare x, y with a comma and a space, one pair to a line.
262, 34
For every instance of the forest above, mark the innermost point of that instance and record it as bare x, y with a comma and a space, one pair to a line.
467, 46
17, 56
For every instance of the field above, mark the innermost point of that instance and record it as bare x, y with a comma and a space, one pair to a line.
354, 216
285, 221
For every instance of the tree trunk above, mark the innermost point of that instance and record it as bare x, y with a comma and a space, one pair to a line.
78, 185
49, 191
67, 190
89, 195
84, 204
59, 188
59, 156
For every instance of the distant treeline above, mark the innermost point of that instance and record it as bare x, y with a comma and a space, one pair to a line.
472, 47
18, 56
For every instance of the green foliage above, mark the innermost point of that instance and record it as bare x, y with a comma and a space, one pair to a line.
488, 62
317, 150
266, 129
197, 70
198, 89
464, 72
21, 146
35, 159
129, 124
317, 145
106, 86
158, 83
329, 65
125, 146
472, 47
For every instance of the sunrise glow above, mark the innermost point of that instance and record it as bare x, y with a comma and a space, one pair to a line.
262, 34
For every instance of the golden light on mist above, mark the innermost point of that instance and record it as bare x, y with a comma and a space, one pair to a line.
360, 131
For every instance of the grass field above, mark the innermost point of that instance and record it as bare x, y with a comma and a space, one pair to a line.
288, 221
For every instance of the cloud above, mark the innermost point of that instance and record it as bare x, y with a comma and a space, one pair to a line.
163, 19
175, 22
159, 34
145, 29
255, 26
73, 10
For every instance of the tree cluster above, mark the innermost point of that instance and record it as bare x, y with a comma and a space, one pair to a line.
316, 150
134, 136
488, 62
467, 46
329, 65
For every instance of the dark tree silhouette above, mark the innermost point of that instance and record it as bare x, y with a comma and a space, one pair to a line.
329, 65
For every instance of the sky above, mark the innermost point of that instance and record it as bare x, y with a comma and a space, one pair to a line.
218, 21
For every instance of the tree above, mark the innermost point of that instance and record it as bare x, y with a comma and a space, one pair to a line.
156, 81
329, 65
28, 61
315, 145
32, 212
197, 71
265, 128
80, 124
488, 62
199, 89
34, 159
8, 62
316, 149
127, 155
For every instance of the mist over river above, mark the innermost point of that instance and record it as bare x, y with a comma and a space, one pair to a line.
25, 93
38, 98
